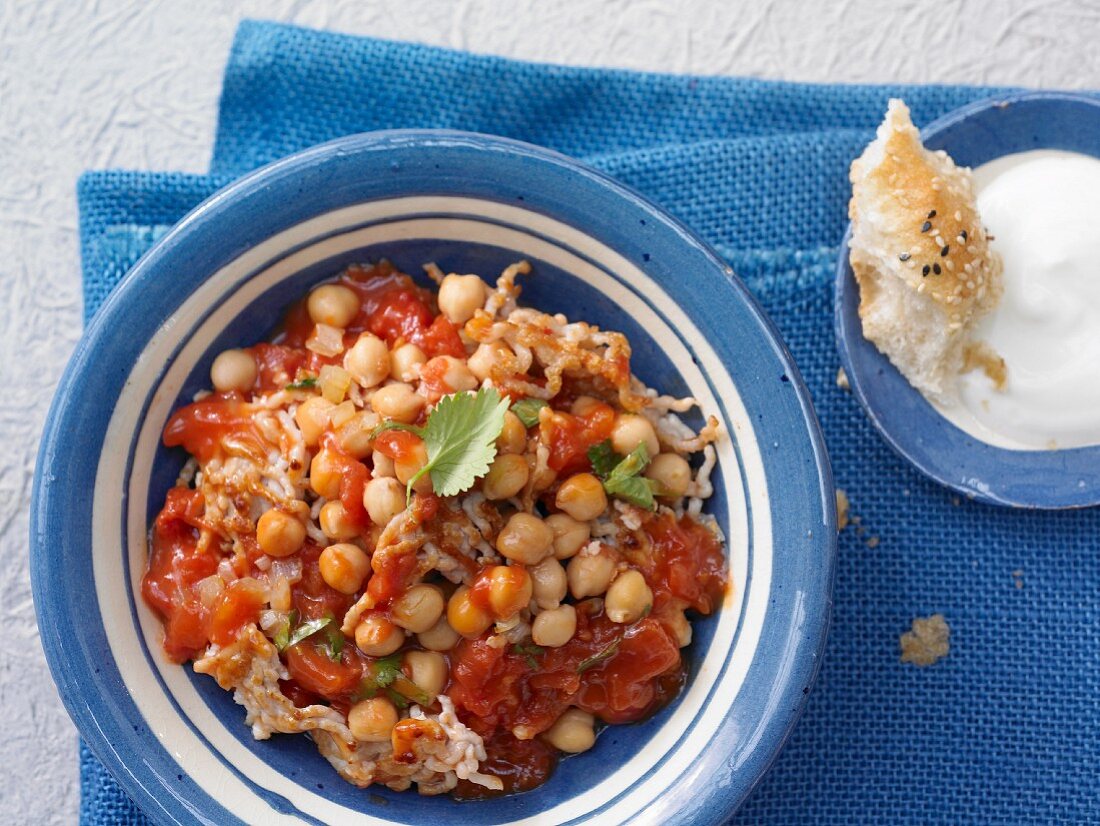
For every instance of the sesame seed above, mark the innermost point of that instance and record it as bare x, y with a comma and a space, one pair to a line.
904, 256
932, 214
939, 240
970, 285
972, 249
935, 187
958, 215
950, 265
925, 270
936, 269
921, 286
962, 235
927, 225
946, 249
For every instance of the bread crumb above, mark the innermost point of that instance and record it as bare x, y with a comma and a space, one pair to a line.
1018, 578
842, 379
927, 642
977, 355
841, 509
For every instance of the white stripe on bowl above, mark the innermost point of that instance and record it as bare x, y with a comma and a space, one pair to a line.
189, 750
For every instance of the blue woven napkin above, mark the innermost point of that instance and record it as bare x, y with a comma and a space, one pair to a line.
1004, 730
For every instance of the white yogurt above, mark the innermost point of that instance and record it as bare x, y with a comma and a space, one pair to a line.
1043, 210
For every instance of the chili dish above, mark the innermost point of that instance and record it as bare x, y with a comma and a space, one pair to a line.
445, 535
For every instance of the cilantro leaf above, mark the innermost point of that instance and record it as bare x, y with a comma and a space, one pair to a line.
528, 652
603, 458
282, 632
606, 654
333, 645
307, 629
625, 480
303, 384
528, 411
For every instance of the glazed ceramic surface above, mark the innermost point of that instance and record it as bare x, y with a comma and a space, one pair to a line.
975, 135
471, 203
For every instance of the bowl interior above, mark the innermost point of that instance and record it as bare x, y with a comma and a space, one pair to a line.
975, 135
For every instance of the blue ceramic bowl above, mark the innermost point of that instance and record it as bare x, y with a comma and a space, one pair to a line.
178, 743
1070, 478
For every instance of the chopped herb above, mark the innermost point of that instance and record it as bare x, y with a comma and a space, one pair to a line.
397, 699
528, 652
282, 632
385, 675
528, 411
609, 652
307, 629
626, 482
460, 436
303, 384
333, 644
603, 458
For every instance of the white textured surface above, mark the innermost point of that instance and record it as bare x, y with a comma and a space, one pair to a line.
134, 83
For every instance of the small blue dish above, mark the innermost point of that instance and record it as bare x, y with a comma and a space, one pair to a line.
1047, 479
175, 741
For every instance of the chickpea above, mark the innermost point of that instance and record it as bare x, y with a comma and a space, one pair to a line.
509, 590
513, 436
372, 721
582, 497
418, 609
440, 637
629, 598
680, 626
583, 405
671, 472
233, 370
325, 475
631, 430
333, 304
590, 574
335, 521
279, 534
355, 434
384, 498
428, 670
410, 464
456, 375
573, 732
506, 477
460, 296
376, 636
382, 464
525, 538
344, 567
406, 361
313, 416
465, 616
398, 402
550, 583
368, 360
556, 627
486, 356
569, 534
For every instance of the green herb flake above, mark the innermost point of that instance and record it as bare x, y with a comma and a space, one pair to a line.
610, 651
460, 437
397, 699
625, 481
307, 629
303, 384
528, 652
333, 644
603, 458
528, 411
282, 631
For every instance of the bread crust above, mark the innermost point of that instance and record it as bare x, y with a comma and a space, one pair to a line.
915, 224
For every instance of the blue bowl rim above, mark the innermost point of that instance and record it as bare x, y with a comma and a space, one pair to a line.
1052, 463
807, 648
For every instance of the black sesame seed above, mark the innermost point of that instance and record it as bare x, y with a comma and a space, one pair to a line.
926, 226
903, 257
932, 214
936, 269
925, 270
946, 249
962, 235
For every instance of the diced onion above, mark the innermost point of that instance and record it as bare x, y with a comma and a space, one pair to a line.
334, 382
326, 340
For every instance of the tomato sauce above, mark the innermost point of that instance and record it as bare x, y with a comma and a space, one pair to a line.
569, 436
203, 427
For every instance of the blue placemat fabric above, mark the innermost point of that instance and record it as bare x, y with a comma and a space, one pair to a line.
1007, 728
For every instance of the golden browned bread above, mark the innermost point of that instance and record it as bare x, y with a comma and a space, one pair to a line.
920, 254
